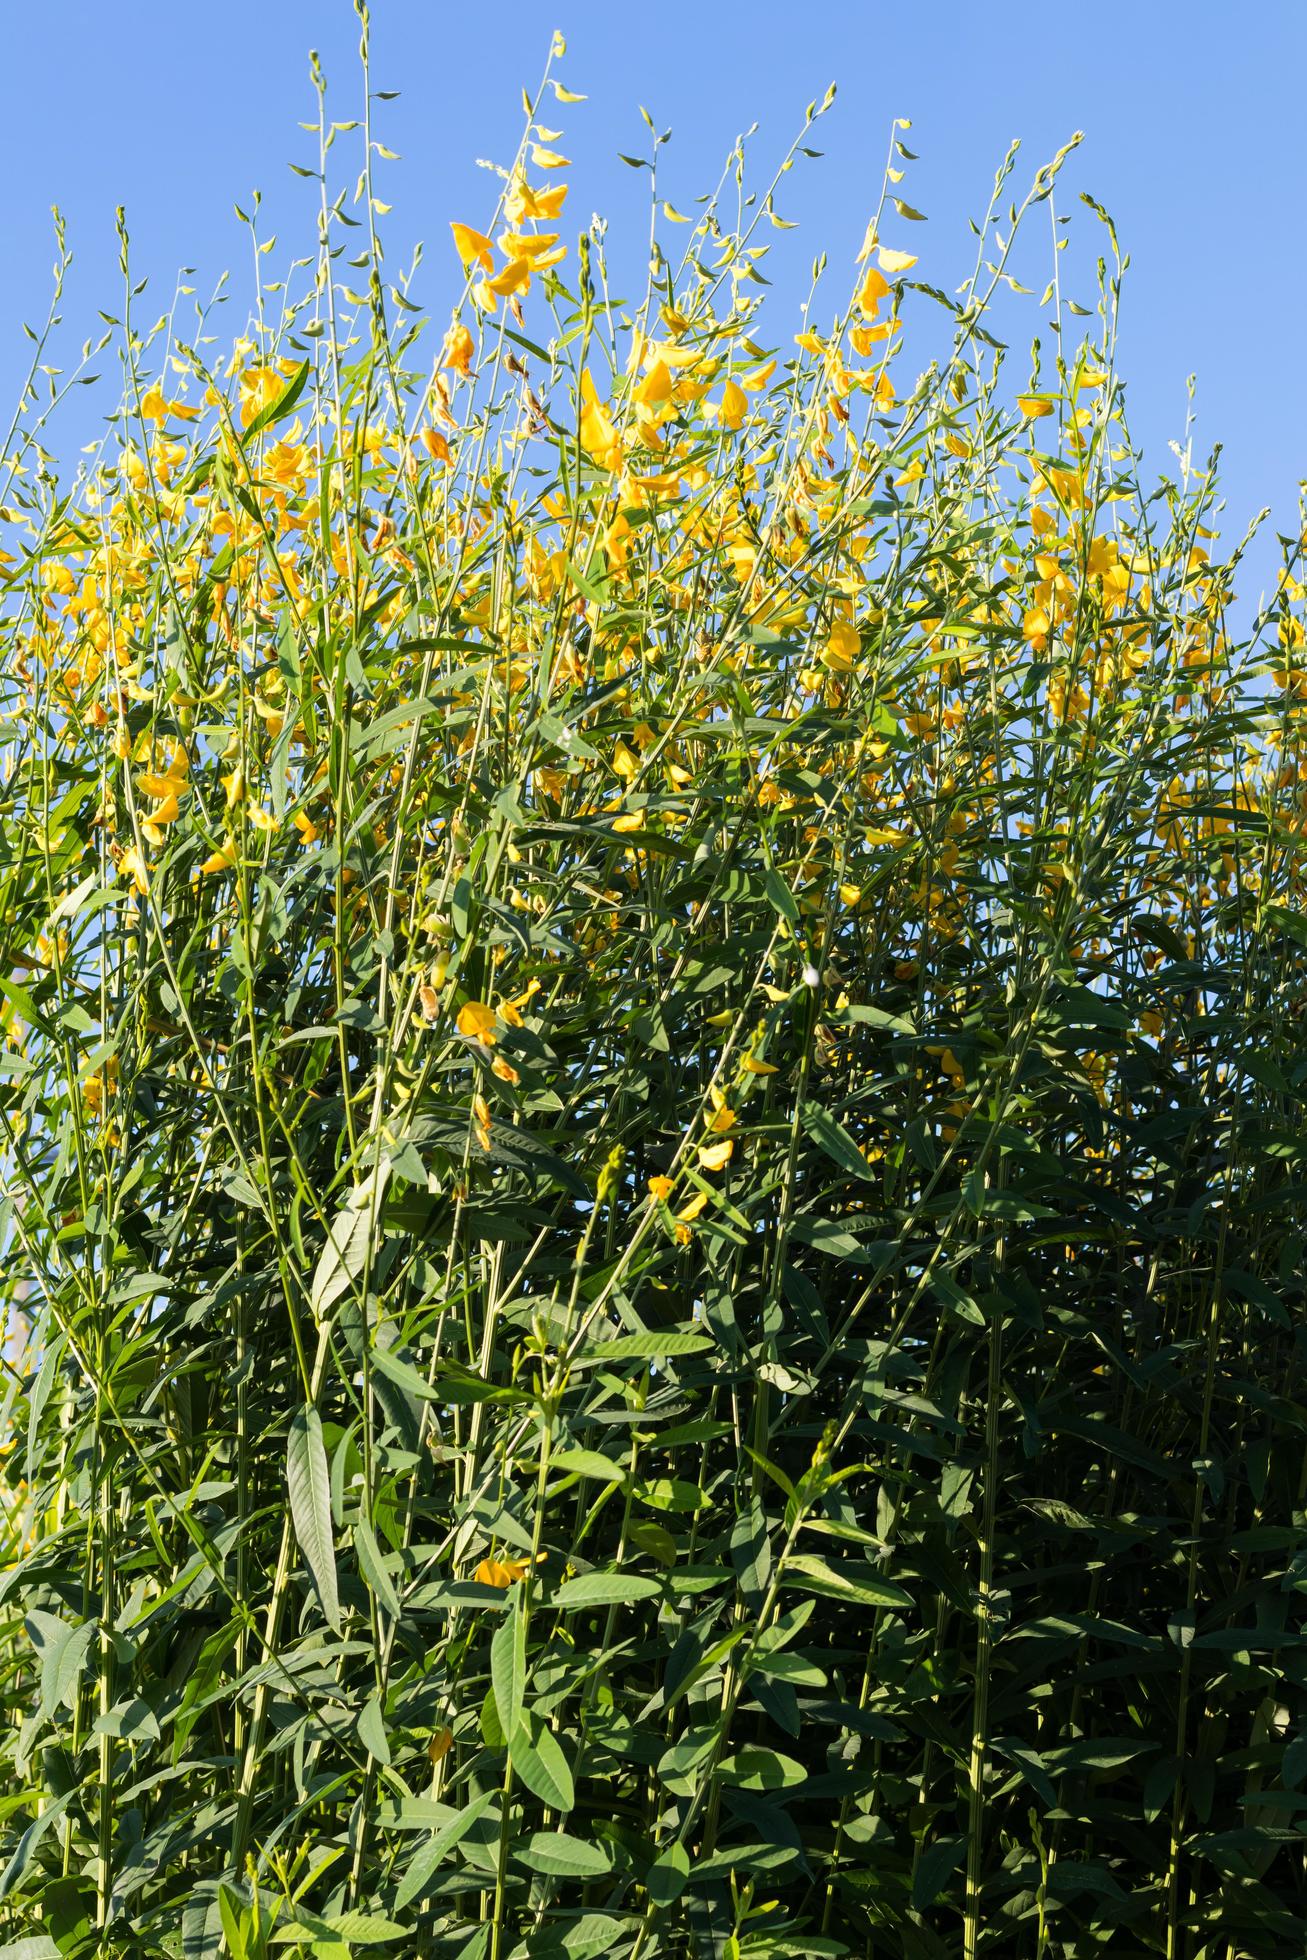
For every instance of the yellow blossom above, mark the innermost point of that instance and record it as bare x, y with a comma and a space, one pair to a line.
220, 860
598, 435
472, 246
626, 763
873, 290
734, 402
478, 1023
502, 1572
457, 348
132, 865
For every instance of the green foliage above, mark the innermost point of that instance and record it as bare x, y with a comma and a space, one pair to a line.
653, 1155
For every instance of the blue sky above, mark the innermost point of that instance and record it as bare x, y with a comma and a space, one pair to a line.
1192, 112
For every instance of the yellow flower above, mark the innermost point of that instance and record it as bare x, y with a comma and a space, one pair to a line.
457, 348
524, 202
515, 277
842, 648
168, 808
626, 763
661, 1188
1035, 626
690, 1211
656, 388
478, 1023
536, 247
893, 262
501, 1572
752, 1066
598, 435
259, 388
440, 1745
98, 1087
220, 860
511, 1010
473, 246
873, 290
132, 865
716, 1156
732, 407
1033, 406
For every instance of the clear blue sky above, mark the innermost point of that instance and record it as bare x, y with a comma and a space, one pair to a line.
1193, 113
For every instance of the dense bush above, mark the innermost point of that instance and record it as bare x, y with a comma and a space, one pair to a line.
652, 1125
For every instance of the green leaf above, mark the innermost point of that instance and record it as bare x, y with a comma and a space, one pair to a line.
542, 1765
236, 1921
63, 1650
508, 1667
345, 1253
373, 1568
649, 1346
404, 1375
652, 1538
835, 1140
665, 1879
603, 1589
671, 1494
588, 1463
133, 1720
280, 405
309, 1483
761, 1769
934, 1869
859, 1584
372, 1730
12, 1876
368, 1928
493, 1733
592, 588
561, 1856
425, 1861
780, 897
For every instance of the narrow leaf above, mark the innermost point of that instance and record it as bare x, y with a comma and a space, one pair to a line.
424, 1862
310, 1507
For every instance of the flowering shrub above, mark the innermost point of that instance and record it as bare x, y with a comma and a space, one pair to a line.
653, 1001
